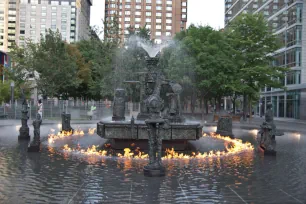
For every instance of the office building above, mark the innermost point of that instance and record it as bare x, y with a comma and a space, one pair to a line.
164, 18
28, 19
8, 22
286, 19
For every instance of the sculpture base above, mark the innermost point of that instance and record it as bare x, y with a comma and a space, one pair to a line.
225, 133
154, 172
24, 133
267, 152
68, 130
175, 119
115, 118
34, 147
143, 116
23, 137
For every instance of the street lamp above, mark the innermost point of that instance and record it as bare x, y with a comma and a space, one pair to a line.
12, 92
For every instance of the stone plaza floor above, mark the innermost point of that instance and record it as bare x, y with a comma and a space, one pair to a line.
56, 177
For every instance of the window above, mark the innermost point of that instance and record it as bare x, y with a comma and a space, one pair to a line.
137, 26
148, 13
158, 20
137, 19
169, 8
158, 1
184, 3
138, 13
168, 21
158, 14
127, 6
138, 6
169, 2
184, 16
184, 10
148, 1
53, 8
65, 3
158, 27
169, 15
127, 12
158, 8
168, 33
158, 33
168, 27
127, 19
148, 20
148, 7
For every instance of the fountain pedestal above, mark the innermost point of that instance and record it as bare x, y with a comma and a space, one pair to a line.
24, 129
66, 122
225, 126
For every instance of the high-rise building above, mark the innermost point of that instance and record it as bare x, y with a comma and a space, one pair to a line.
8, 22
28, 19
164, 18
285, 19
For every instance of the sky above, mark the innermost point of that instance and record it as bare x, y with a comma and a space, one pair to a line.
200, 12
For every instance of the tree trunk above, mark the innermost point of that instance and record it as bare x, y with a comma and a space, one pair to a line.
219, 103
245, 106
234, 106
206, 105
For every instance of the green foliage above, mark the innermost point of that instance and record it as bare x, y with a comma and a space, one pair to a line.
5, 92
253, 42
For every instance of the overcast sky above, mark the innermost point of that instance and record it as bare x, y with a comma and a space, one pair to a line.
200, 12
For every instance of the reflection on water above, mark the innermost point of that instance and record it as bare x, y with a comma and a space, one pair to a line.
54, 176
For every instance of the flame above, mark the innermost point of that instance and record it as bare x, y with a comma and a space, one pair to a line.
63, 134
232, 146
91, 131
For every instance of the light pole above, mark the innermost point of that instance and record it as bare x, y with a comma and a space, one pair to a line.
12, 92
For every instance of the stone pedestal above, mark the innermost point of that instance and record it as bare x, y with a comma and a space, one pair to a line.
66, 122
35, 144
225, 126
24, 132
119, 105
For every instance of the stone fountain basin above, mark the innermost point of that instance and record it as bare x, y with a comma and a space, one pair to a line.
122, 133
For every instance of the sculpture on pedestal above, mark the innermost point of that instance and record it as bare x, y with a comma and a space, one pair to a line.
35, 144
267, 133
225, 125
24, 129
119, 105
155, 105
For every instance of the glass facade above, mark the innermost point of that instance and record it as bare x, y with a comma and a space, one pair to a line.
285, 21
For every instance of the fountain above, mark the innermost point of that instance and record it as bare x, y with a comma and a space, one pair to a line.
123, 132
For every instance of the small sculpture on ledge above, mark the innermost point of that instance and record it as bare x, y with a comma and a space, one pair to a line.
119, 105
268, 132
35, 144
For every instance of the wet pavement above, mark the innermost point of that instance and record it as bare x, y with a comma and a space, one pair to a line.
54, 176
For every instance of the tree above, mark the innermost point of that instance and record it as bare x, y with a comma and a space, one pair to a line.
54, 70
254, 43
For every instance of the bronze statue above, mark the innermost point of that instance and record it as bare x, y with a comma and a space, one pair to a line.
267, 132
